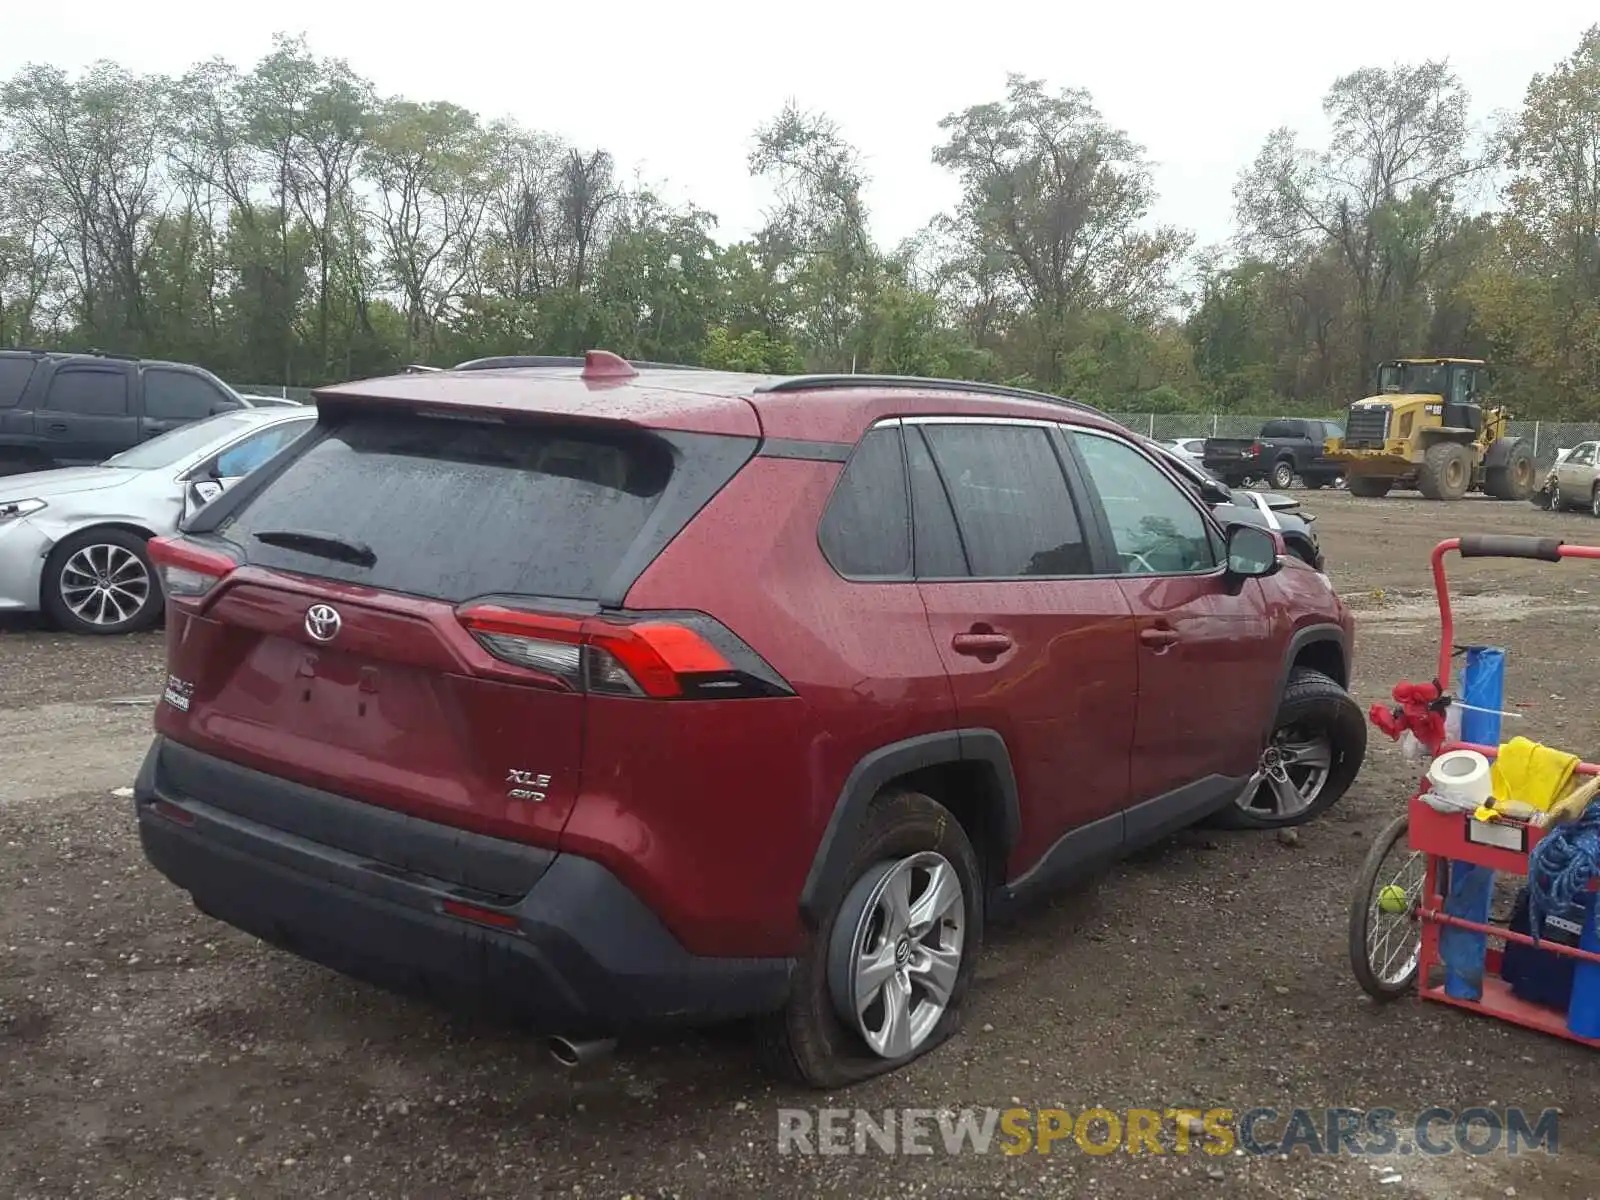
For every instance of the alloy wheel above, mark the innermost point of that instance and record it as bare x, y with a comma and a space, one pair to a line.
894, 969
104, 584
1291, 774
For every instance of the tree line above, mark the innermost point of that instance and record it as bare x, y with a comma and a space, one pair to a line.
286, 223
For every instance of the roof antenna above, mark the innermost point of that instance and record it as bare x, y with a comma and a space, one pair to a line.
604, 365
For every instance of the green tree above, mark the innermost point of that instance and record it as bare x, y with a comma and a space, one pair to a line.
1053, 213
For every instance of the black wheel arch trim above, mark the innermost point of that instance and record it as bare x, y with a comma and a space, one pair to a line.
1311, 635
825, 881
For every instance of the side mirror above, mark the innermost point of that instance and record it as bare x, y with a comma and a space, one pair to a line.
1214, 491
199, 494
1252, 552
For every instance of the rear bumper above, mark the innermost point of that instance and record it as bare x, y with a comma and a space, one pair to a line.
586, 956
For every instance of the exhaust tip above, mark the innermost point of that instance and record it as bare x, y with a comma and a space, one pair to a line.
570, 1052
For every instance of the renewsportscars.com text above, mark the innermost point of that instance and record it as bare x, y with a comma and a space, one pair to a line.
1212, 1131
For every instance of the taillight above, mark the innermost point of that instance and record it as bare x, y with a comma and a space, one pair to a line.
1256, 448
676, 656
187, 570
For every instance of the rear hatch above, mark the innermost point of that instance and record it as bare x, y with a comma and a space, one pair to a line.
1225, 449
361, 622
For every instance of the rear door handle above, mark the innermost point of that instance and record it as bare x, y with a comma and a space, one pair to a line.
981, 645
1157, 637
57, 427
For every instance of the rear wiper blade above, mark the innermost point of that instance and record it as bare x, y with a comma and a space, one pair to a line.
324, 545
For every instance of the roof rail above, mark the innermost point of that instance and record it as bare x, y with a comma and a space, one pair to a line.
97, 353
504, 361
808, 383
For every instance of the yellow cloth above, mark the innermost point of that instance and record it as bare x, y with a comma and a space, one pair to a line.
1535, 774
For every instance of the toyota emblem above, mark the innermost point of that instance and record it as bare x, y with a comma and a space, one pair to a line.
322, 622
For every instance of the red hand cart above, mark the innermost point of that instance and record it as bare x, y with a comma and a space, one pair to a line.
1392, 947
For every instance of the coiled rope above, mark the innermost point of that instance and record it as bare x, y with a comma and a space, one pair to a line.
1562, 865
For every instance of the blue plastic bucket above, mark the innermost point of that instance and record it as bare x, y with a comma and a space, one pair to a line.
1483, 692
1583, 1012
1483, 695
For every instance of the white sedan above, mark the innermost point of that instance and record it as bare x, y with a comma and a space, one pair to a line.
72, 540
1193, 449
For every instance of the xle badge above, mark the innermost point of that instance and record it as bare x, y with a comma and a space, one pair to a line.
527, 785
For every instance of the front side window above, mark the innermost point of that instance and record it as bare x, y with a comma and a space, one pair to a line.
179, 395
1155, 529
256, 449
1012, 507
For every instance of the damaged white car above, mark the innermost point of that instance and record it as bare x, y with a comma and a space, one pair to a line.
72, 540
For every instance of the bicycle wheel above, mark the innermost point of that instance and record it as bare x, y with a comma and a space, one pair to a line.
1385, 929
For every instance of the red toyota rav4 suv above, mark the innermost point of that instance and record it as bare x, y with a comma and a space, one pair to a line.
617, 695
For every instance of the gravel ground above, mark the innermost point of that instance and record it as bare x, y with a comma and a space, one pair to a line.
146, 1051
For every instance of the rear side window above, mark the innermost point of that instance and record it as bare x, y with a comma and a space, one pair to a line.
14, 376
89, 393
866, 530
454, 510
1011, 501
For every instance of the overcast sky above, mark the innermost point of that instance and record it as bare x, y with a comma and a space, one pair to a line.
674, 90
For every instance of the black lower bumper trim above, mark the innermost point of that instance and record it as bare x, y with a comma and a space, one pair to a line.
588, 957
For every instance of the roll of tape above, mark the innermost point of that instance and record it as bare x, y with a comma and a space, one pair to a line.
1461, 776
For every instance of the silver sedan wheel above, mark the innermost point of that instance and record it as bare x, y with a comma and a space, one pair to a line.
104, 584
897, 952
1291, 775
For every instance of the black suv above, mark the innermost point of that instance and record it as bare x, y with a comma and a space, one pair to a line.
65, 410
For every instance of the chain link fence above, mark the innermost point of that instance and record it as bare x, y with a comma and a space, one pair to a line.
1546, 437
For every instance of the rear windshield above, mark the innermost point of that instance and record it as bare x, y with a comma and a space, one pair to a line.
453, 510
15, 371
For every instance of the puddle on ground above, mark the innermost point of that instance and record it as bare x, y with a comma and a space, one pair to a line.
1409, 615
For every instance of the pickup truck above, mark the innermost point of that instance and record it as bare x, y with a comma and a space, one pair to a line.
1284, 448
66, 410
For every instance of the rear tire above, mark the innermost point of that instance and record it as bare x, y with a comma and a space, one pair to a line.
1318, 714
1514, 479
1282, 476
809, 1041
1446, 472
1368, 487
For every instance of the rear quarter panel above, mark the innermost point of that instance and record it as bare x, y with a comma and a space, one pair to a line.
713, 811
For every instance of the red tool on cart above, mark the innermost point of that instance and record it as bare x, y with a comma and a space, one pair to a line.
1398, 911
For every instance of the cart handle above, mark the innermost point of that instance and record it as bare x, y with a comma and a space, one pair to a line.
1510, 545
1489, 545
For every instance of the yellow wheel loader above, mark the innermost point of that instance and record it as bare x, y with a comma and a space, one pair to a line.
1426, 429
